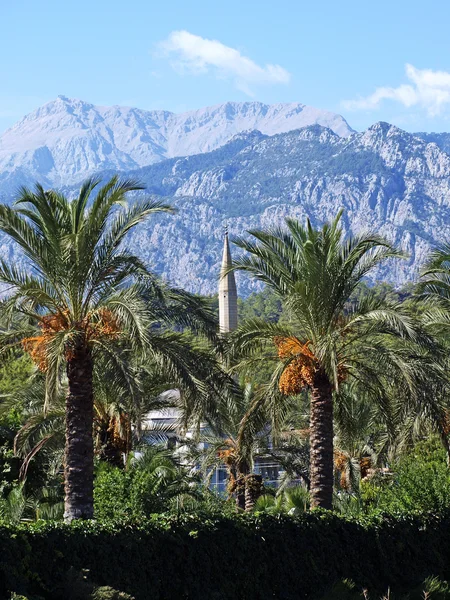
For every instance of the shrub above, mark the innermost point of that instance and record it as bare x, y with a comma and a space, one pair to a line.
421, 483
254, 557
292, 500
108, 593
151, 484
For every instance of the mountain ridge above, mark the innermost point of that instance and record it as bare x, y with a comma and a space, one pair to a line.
68, 139
386, 180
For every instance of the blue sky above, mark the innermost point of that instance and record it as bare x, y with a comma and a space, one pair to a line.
368, 60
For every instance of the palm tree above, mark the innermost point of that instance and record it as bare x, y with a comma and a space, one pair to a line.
81, 293
434, 286
233, 442
328, 341
43, 426
358, 432
433, 301
83, 297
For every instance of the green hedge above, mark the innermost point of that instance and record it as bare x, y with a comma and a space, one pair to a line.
248, 557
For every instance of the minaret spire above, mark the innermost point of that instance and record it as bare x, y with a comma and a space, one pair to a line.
227, 291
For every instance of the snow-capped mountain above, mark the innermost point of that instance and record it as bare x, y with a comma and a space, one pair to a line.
66, 140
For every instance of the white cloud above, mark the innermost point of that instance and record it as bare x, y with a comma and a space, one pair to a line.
199, 55
427, 89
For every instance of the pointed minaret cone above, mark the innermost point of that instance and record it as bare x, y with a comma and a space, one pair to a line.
227, 292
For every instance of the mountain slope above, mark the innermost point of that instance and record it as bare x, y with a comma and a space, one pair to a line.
387, 181
440, 139
66, 140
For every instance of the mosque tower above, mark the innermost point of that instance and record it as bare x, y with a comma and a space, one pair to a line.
227, 292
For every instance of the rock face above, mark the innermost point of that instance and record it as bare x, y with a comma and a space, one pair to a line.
386, 180
66, 140
440, 139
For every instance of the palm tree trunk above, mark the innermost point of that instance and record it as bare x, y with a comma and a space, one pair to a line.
243, 469
321, 439
240, 492
253, 490
79, 449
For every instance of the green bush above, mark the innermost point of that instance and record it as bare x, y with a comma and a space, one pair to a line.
108, 593
421, 483
154, 483
431, 589
111, 499
246, 557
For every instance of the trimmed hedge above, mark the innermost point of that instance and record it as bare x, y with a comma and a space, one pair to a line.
247, 557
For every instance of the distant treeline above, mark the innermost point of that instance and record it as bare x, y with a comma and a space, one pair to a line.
267, 306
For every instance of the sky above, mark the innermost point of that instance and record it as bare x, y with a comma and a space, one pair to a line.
369, 60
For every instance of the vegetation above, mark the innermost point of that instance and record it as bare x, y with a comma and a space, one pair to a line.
154, 482
119, 400
199, 557
87, 304
325, 345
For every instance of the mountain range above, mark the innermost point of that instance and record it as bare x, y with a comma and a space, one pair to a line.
245, 165
66, 140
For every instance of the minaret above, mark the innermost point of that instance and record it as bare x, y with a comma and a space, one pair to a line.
227, 292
